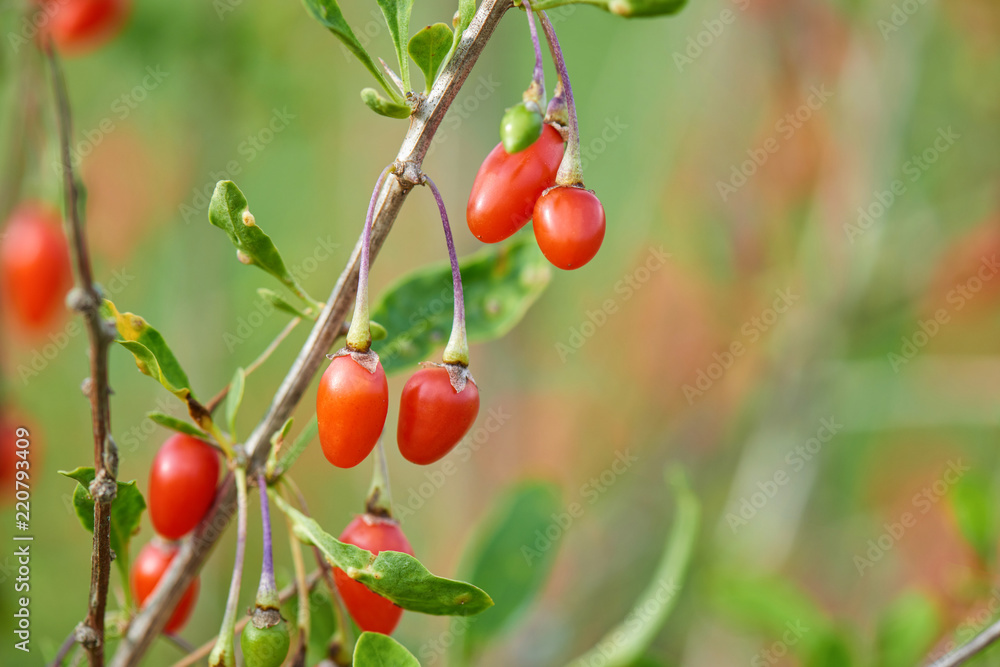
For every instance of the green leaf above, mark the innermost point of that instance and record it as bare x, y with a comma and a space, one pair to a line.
972, 503
229, 211
463, 18
279, 303
384, 107
126, 513
428, 48
496, 559
377, 650
626, 8
396, 576
500, 284
289, 454
397, 17
179, 425
154, 358
234, 398
626, 643
907, 630
328, 13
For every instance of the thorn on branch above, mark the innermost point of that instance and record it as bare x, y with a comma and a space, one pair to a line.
103, 489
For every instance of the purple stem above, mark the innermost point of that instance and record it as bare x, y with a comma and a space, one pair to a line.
570, 170
457, 350
267, 569
538, 76
359, 337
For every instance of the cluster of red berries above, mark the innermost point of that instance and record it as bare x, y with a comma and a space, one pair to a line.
512, 188
182, 485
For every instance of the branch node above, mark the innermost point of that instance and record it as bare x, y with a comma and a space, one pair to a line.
407, 172
87, 386
82, 300
103, 489
86, 636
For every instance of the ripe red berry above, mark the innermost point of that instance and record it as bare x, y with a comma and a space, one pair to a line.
371, 611
569, 226
147, 569
182, 485
351, 406
433, 417
80, 25
507, 186
34, 266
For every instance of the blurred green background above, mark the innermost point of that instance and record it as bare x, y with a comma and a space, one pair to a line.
782, 352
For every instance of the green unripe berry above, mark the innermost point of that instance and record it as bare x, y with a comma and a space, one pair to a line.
520, 127
266, 646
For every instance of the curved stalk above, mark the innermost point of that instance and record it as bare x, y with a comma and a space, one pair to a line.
571, 169
224, 652
457, 350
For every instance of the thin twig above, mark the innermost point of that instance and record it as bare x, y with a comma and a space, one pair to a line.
978, 644
64, 650
423, 126
256, 363
570, 171
86, 299
285, 594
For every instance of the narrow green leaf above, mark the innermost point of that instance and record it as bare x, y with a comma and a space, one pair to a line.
627, 642
230, 212
279, 303
234, 398
428, 48
290, 453
397, 17
975, 513
907, 630
179, 425
126, 512
378, 331
328, 13
399, 577
384, 107
500, 284
377, 650
155, 358
626, 8
500, 558
463, 18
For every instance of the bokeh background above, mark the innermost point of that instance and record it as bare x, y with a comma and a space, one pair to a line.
732, 147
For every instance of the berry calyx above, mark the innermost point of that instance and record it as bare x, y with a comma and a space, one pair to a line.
351, 406
147, 570
520, 127
182, 483
433, 415
35, 271
371, 611
507, 186
81, 25
569, 226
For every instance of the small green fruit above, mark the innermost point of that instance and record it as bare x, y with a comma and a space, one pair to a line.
265, 647
520, 127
